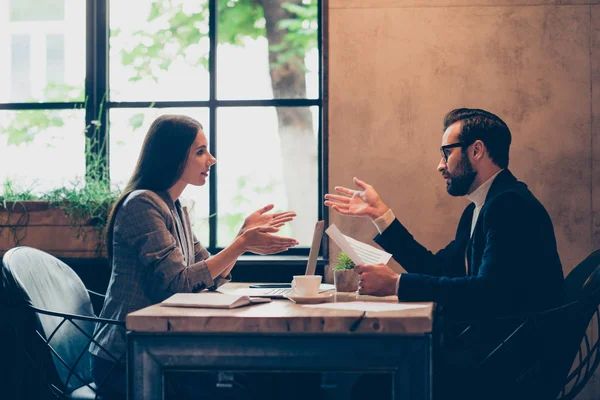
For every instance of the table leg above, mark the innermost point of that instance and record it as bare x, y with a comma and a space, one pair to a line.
413, 380
145, 378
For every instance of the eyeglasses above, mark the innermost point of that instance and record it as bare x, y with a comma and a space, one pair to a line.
445, 149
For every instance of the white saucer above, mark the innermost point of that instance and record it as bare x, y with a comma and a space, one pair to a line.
320, 298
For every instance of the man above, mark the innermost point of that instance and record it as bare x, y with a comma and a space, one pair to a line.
503, 259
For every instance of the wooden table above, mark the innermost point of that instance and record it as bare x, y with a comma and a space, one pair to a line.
280, 336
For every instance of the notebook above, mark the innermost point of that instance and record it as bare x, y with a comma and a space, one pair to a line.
211, 300
282, 290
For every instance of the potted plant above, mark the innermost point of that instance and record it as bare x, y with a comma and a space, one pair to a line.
66, 222
344, 277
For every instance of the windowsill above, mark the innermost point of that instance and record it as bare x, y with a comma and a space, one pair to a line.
249, 268
254, 268
251, 260
244, 260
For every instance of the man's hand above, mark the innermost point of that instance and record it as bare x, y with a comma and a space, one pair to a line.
376, 280
261, 218
365, 202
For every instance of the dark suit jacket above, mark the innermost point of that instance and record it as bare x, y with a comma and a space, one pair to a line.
513, 261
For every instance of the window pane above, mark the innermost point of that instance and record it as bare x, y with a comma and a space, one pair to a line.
160, 51
261, 162
42, 149
128, 128
267, 51
20, 87
37, 10
43, 58
55, 65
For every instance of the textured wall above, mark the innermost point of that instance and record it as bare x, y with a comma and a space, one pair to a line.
396, 67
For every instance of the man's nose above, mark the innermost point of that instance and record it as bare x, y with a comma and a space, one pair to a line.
442, 165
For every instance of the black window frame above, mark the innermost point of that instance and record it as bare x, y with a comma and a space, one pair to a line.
97, 108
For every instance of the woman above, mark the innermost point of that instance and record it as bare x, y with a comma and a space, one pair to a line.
152, 249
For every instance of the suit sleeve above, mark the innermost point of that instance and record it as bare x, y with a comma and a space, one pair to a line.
142, 224
415, 258
202, 254
505, 271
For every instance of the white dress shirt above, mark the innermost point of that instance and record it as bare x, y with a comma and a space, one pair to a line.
478, 197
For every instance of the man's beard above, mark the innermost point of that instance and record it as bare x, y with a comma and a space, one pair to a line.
461, 181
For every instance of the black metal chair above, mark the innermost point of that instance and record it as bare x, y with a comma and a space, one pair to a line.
551, 354
583, 355
53, 318
581, 275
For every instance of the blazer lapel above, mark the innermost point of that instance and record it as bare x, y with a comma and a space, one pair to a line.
504, 180
462, 236
189, 242
469, 257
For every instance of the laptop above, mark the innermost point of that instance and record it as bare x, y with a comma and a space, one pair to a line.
281, 290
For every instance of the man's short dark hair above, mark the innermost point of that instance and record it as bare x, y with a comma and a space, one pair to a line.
483, 125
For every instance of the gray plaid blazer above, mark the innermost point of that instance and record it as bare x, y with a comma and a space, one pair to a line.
155, 254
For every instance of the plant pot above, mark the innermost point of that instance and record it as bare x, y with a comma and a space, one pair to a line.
345, 280
39, 225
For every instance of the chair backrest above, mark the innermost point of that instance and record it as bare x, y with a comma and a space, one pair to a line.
31, 277
580, 275
582, 339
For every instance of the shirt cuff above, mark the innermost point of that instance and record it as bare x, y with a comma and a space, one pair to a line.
384, 221
398, 283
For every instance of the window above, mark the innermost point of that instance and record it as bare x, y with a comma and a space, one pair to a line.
250, 73
42, 45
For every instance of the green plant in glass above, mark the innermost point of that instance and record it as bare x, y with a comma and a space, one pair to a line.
343, 262
344, 277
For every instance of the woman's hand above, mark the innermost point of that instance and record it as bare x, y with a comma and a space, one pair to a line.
261, 218
365, 202
260, 240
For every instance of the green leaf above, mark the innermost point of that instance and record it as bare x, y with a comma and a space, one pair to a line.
343, 262
136, 121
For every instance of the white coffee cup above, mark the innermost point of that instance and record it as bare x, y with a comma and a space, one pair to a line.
306, 285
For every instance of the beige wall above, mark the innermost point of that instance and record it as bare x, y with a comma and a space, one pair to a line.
397, 66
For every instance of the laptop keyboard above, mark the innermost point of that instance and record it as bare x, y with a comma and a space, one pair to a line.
280, 292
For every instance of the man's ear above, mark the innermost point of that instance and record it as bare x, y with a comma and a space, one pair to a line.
478, 150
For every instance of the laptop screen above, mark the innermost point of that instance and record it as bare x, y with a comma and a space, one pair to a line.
280, 290
311, 266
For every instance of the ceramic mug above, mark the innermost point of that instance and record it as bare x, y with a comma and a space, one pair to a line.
306, 285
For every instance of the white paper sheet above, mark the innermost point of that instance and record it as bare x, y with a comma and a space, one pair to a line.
367, 306
360, 253
367, 297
